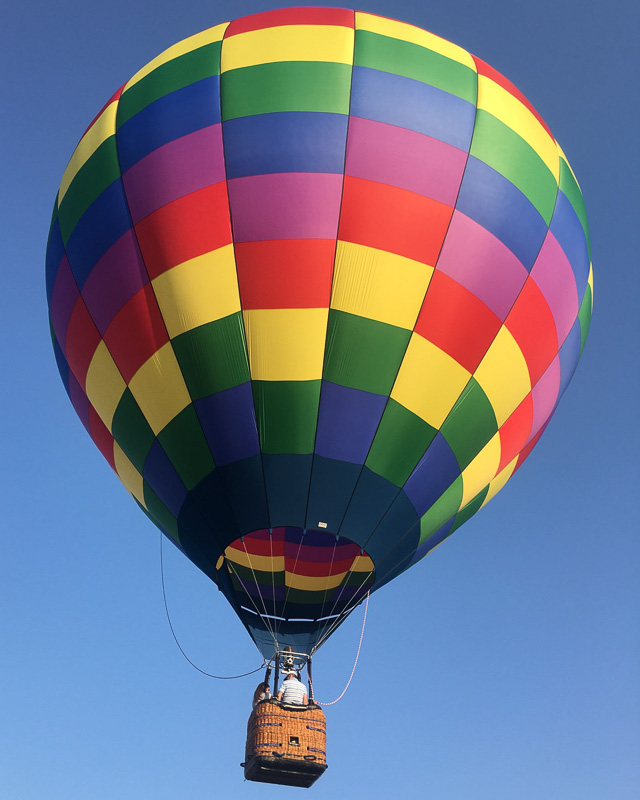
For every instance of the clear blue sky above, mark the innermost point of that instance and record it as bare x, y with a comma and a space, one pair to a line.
516, 643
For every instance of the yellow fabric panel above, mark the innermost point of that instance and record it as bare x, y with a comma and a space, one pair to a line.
333, 43
429, 381
128, 474
409, 33
101, 129
198, 291
481, 470
508, 109
590, 282
159, 388
105, 385
313, 584
499, 481
259, 563
361, 564
214, 34
286, 344
379, 285
504, 376
566, 161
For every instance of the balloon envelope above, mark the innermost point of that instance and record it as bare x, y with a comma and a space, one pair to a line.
317, 280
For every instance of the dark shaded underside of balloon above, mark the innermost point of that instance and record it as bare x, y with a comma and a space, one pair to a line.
315, 306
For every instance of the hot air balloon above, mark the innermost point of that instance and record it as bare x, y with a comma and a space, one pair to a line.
317, 280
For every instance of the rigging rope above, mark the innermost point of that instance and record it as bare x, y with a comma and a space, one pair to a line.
355, 663
175, 638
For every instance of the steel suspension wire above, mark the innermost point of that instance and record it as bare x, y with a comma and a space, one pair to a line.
175, 638
355, 663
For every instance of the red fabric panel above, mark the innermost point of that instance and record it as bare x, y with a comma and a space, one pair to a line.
317, 569
532, 325
101, 436
136, 332
527, 450
188, 227
515, 432
291, 16
455, 320
489, 72
285, 273
393, 219
81, 342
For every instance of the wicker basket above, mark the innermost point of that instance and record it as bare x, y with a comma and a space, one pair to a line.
286, 744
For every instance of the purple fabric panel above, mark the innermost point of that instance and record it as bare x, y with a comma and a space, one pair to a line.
265, 593
174, 170
117, 276
229, 424
80, 401
545, 396
347, 422
290, 205
553, 274
407, 159
481, 263
436, 471
63, 300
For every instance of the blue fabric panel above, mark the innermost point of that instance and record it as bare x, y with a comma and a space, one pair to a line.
229, 424
285, 142
434, 540
206, 523
496, 204
569, 356
371, 499
347, 422
161, 476
244, 486
396, 537
287, 479
411, 104
102, 224
436, 471
566, 227
55, 252
332, 484
61, 361
170, 117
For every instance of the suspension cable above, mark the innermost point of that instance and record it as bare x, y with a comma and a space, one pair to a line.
355, 663
175, 638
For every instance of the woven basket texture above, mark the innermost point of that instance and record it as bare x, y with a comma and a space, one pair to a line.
273, 728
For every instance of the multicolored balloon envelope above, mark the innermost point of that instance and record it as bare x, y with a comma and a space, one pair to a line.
317, 280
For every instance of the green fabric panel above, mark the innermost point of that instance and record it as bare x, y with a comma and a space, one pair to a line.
470, 424
213, 357
98, 172
445, 507
159, 513
186, 447
469, 510
570, 188
131, 430
173, 533
175, 74
584, 315
363, 353
414, 61
287, 415
286, 86
501, 148
258, 576
400, 442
